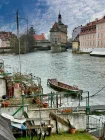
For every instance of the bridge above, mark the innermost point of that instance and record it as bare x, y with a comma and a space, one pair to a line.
3, 48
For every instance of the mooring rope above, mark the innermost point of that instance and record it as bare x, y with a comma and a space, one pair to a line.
95, 93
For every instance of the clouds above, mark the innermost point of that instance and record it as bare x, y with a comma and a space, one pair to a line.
43, 13
75, 13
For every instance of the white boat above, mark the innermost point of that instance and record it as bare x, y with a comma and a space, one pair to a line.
17, 123
12, 119
98, 52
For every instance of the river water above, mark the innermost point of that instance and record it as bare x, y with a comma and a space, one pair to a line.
85, 71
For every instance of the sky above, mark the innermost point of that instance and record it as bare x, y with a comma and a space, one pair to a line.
43, 13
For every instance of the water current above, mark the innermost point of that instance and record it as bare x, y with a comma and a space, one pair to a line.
85, 71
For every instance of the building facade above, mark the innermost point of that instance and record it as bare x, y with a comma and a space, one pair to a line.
41, 42
58, 33
92, 35
100, 33
5, 39
87, 37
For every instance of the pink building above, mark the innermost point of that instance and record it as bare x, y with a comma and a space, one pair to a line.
92, 35
5, 39
100, 33
88, 37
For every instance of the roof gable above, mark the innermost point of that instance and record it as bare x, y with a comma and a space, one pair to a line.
39, 37
55, 27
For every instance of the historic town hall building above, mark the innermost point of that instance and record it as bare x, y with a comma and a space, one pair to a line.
58, 32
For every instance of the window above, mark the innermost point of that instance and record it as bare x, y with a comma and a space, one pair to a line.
101, 35
98, 43
101, 42
93, 36
97, 27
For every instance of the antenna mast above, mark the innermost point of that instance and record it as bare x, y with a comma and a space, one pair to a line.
17, 23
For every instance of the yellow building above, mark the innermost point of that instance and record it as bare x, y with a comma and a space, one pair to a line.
75, 39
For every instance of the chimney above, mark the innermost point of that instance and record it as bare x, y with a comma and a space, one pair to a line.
96, 19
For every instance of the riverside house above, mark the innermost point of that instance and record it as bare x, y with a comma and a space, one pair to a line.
5, 39
41, 42
92, 36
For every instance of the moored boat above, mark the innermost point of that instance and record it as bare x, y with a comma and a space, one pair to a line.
59, 86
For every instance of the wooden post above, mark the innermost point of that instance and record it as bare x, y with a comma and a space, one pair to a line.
57, 100
56, 121
51, 99
60, 99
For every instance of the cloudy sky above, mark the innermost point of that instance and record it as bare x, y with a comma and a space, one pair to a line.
43, 13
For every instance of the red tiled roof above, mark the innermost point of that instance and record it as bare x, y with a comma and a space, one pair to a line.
101, 20
93, 23
39, 37
90, 27
55, 27
90, 32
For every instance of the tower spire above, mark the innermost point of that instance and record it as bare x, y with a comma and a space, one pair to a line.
59, 18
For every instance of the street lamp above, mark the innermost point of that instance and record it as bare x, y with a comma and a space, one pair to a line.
87, 110
87, 103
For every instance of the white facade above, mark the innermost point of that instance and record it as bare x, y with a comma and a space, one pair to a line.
0, 42
2, 87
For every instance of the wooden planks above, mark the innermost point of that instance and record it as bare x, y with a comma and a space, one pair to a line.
59, 119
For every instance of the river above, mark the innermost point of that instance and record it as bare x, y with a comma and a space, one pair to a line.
85, 71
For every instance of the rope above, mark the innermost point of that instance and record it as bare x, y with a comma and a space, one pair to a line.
95, 93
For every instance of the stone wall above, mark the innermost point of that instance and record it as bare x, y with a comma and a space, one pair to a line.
76, 119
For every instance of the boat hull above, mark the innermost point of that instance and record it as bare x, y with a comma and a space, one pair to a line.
59, 88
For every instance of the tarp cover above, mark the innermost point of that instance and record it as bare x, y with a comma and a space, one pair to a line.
5, 129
